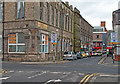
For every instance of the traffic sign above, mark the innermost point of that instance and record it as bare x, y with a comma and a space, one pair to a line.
53, 38
113, 38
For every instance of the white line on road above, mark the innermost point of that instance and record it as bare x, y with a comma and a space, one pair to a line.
110, 75
58, 80
4, 78
36, 75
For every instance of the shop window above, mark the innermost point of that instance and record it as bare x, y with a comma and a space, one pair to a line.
16, 43
20, 9
44, 44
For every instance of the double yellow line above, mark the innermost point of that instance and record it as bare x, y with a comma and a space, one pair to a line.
86, 78
2, 71
100, 62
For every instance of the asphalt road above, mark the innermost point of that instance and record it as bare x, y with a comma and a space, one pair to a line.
81, 70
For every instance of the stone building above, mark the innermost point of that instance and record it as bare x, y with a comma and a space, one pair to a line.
28, 29
116, 28
83, 32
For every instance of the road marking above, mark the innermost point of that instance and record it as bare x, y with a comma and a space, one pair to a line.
101, 60
110, 75
58, 80
88, 78
4, 78
83, 79
36, 75
55, 72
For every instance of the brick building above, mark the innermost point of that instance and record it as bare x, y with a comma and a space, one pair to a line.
83, 32
99, 38
28, 29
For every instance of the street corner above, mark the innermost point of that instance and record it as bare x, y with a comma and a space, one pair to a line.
109, 62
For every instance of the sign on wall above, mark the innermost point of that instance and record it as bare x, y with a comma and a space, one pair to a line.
114, 38
53, 38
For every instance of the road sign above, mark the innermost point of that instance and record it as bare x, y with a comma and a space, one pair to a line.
53, 38
113, 38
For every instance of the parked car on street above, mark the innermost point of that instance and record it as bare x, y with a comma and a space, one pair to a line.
83, 54
79, 56
88, 53
69, 56
94, 53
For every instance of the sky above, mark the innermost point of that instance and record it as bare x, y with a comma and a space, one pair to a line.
95, 11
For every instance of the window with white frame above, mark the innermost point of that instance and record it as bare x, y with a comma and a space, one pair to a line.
16, 43
20, 9
44, 44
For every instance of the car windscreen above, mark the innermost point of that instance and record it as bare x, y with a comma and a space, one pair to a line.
67, 53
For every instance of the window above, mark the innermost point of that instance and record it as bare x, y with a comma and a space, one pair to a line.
52, 15
16, 42
97, 36
71, 25
0, 42
1, 6
44, 44
41, 10
48, 12
56, 17
20, 9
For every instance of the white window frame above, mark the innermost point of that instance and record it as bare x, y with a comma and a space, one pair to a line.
17, 44
44, 44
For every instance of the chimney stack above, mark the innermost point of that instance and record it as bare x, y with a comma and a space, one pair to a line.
67, 3
71, 7
103, 24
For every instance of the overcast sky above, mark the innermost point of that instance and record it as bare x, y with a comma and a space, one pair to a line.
95, 11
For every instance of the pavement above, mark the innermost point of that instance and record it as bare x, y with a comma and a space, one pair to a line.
38, 63
108, 61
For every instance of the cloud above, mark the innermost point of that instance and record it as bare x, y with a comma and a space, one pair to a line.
95, 11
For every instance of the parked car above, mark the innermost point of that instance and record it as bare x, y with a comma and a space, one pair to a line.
79, 56
69, 56
84, 54
94, 53
88, 53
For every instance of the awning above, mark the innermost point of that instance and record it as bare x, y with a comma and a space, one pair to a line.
109, 47
97, 47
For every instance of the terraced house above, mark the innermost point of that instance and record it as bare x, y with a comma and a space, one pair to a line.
28, 29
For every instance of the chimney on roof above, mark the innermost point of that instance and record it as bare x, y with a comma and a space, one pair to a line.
67, 3
71, 7
103, 24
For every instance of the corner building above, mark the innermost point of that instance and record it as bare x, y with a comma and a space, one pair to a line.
28, 29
